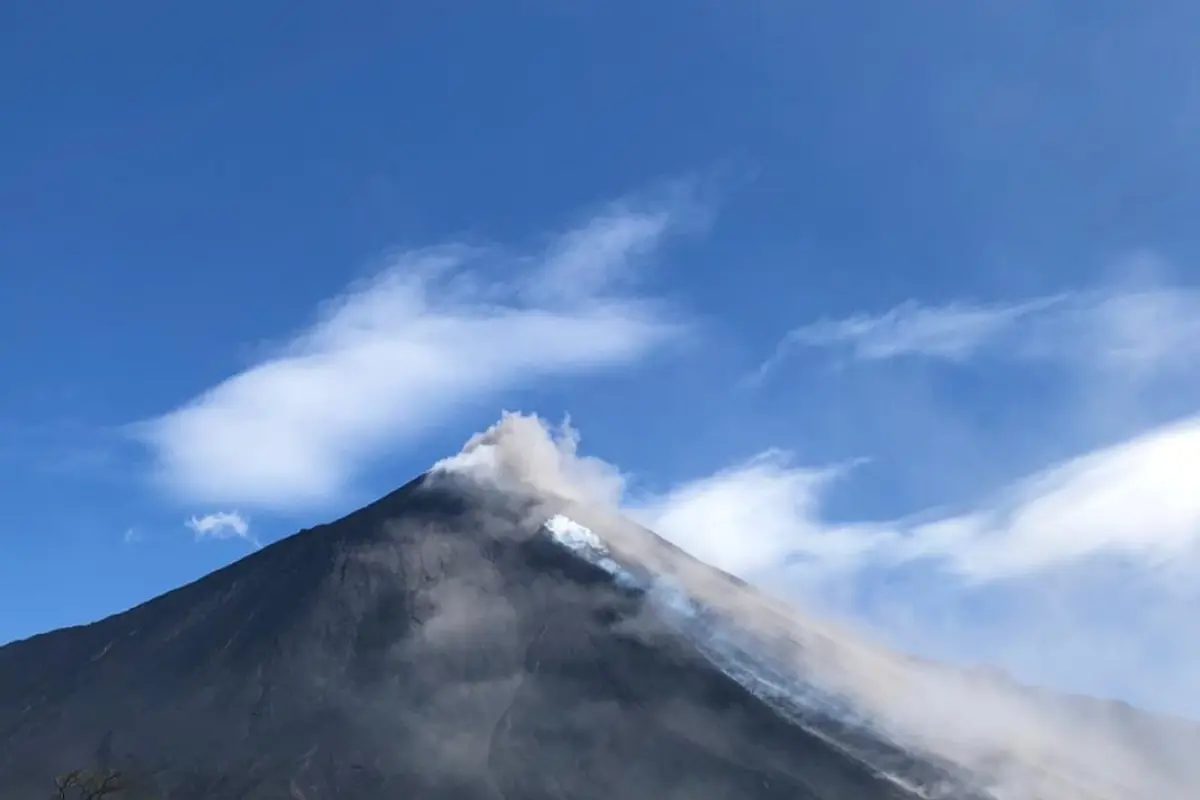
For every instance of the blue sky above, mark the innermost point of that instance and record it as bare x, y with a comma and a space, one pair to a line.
903, 296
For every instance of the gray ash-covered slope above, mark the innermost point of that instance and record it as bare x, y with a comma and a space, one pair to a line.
436, 644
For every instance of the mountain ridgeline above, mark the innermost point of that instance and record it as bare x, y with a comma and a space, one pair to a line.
457, 640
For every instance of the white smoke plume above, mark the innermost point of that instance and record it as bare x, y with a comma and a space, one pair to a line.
1023, 743
525, 451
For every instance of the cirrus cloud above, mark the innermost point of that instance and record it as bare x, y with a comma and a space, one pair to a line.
428, 334
1138, 332
1135, 500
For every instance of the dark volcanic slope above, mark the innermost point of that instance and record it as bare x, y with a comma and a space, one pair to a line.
432, 645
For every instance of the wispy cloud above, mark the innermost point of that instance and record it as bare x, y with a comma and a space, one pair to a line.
221, 525
1081, 575
597, 257
1136, 501
404, 350
953, 332
755, 516
1142, 331
1133, 501
131, 536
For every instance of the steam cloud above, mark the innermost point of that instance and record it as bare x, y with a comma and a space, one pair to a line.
524, 451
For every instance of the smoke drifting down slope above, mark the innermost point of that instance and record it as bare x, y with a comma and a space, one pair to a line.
1013, 741
497, 629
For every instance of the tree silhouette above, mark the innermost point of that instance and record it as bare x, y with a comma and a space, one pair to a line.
82, 784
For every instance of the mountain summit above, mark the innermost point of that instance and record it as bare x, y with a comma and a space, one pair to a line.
495, 629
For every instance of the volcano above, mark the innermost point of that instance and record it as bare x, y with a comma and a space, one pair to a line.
468, 638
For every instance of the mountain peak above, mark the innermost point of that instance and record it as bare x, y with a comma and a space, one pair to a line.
440, 642
495, 628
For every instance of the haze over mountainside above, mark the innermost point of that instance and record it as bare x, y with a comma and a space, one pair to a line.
497, 629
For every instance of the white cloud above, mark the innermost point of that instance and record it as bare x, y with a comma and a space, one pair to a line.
221, 525
1139, 331
131, 536
953, 332
1082, 576
401, 352
587, 262
1137, 500
753, 517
